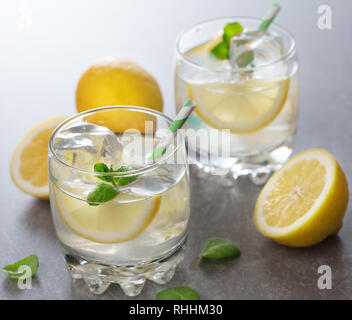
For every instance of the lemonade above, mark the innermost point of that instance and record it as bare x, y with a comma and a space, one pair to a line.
140, 232
132, 228
258, 104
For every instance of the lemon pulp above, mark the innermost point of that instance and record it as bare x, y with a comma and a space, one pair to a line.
29, 162
305, 201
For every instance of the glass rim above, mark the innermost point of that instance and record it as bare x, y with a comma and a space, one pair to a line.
140, 171
291, 50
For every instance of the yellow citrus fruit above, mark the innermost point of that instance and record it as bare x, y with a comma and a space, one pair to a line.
242, 107
110, 222
116, 81
29, 162
304, 202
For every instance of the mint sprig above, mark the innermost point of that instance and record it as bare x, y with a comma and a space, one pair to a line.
105, 192
13, 270
122, 181
102, 193
178, 293
222, 50
102, 167
217, 248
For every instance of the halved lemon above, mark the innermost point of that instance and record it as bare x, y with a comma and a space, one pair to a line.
242, 107
305, 201
29, 162
110, 222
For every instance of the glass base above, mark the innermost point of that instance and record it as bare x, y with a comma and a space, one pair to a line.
131, 279
257, 167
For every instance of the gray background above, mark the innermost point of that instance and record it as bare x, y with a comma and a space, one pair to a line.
40, 64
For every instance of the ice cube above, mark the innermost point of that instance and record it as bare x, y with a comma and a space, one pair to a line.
255, 48
84, 144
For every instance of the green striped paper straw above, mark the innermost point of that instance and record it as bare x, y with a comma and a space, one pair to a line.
178, 122
246, 57
269, 17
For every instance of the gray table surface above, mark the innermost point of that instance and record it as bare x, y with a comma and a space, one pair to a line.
46, 45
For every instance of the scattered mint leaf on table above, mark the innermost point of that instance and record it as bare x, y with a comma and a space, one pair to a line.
178, 293
13, 270
217, 248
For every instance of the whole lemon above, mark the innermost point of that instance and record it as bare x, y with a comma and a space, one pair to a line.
117, 81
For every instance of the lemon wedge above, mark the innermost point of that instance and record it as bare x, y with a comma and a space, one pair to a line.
304, 202
29, 162
110, 222
242, 107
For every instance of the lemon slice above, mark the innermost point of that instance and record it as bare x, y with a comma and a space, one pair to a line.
305, 201
111, 222
242, 107
29, 162
205, 48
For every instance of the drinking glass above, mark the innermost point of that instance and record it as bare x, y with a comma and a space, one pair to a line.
246, 118
139, 233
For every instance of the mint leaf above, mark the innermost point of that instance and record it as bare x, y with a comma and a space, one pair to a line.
102, 167
222, 50
125, 180
102, 193
245, 58
231, 30
178, 293
13, 270
105, 192
217, 248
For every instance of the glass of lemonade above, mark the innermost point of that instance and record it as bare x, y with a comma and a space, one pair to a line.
255, 106
120, 217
